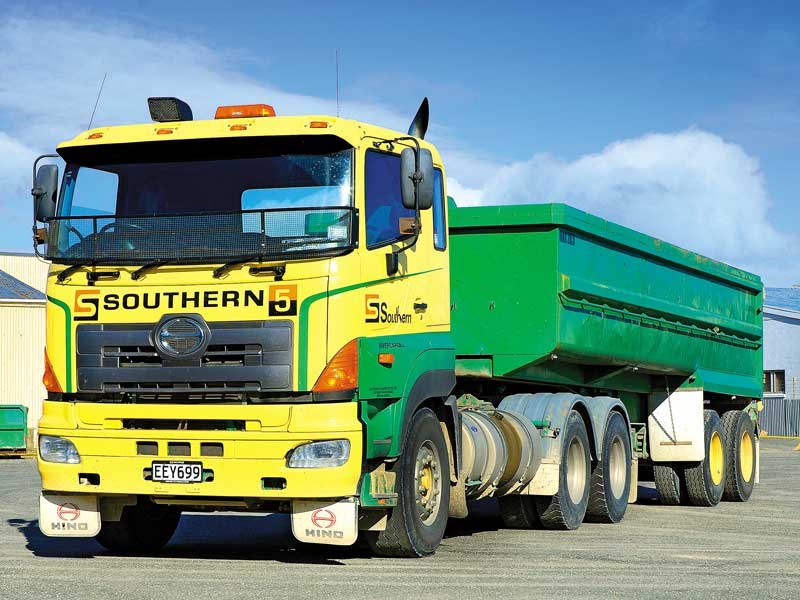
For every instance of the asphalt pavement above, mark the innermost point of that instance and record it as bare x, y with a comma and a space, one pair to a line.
730, 551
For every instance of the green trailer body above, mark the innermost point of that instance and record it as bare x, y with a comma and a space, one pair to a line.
13, 427
548, 293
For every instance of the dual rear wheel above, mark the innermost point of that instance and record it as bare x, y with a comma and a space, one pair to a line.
598, 493
727, 471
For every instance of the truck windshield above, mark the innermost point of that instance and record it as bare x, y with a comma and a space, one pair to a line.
204, 201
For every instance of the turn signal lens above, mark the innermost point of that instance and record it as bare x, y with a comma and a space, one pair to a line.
244, 110
341, 373
49, 378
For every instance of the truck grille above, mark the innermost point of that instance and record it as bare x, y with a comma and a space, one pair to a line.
241, 356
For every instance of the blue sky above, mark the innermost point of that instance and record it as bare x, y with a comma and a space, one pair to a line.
681, 119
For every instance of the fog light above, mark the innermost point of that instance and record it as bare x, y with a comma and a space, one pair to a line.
58, 450
333, 453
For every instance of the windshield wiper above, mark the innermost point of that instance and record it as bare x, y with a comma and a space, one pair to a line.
141, 271
91, 276
220, 271
62, 275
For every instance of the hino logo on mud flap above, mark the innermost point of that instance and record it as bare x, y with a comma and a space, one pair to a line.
56, 526
322, 533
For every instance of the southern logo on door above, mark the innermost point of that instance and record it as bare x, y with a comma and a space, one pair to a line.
377, 311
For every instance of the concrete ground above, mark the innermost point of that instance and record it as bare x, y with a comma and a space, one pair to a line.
731, 551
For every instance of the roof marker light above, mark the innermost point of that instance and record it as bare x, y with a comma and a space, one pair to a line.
244, 110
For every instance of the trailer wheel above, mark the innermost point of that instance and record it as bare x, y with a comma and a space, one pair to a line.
519, 512
146, 527
705, 482
671, 490
611, 476
416, 525
567, 508
740, 455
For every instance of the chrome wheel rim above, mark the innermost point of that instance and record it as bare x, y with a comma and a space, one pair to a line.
617, 469
428, 482
576, 471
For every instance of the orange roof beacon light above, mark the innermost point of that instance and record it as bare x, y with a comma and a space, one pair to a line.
244, 110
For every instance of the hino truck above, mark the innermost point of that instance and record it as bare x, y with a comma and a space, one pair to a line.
288, 314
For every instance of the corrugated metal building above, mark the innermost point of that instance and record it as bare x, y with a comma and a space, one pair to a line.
781, 414
22, 332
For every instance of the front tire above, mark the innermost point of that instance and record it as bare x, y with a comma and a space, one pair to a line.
416, 525
567, 508
611, 476
145, 527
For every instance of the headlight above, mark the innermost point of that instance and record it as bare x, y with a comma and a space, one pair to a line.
58, 450
333, 453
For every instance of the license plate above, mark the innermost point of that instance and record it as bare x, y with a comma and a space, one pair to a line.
178, 472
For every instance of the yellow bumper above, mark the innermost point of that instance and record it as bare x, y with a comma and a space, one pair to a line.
110, 440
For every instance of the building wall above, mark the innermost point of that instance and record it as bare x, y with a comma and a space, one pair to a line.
781, 415
22, 340
25, 267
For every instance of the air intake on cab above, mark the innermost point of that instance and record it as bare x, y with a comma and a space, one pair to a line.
165, 110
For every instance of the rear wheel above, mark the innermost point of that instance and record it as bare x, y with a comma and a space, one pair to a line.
611, 476
519, 512
671, 490
145, 527
740, 455
416, 525
705, 482
567, 508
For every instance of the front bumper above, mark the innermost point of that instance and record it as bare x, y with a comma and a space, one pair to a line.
248, 461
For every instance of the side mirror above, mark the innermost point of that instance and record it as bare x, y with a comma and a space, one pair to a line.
423, 199
45, 191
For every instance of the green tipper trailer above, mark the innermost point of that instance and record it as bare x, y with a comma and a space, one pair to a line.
550, 294
555, 311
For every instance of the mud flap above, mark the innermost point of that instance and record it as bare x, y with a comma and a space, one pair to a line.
68, 515
325, 522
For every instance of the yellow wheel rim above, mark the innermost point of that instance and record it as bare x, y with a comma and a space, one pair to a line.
716, 458
746, 455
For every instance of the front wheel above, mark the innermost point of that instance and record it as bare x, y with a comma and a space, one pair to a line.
145, 527
416, 525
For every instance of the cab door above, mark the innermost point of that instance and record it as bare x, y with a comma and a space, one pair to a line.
416, 298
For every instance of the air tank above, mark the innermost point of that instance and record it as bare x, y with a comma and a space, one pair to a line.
501, 451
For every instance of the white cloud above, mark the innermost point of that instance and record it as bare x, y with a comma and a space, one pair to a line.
16, 208
690, 188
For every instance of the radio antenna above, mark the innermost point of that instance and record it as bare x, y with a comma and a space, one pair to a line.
96, 102
337, 83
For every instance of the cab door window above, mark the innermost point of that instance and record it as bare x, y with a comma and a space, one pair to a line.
439, 222
384, 203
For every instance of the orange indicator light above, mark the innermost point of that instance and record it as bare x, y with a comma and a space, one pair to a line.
387, 360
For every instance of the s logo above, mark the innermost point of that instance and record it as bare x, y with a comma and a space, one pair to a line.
372, 308
87, 305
